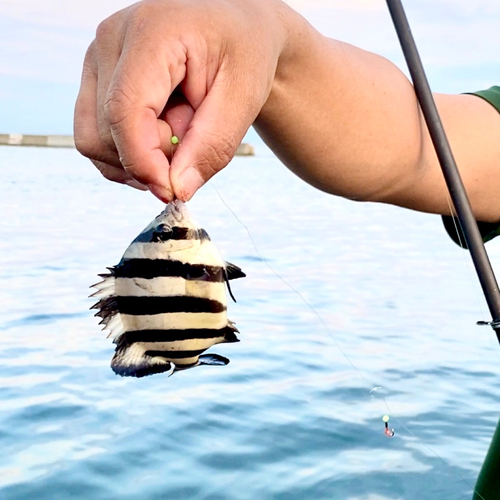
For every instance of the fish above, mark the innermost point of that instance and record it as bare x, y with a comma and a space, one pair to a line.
165, 302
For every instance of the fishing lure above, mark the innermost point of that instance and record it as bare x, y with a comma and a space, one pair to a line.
388, 432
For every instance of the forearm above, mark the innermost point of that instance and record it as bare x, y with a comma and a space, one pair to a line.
347, 121
341, 118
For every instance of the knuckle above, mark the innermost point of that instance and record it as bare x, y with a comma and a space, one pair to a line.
111, 176
115, 106
142, 12
91, 146
104, 30
109, 172
85, 143
133, 168
82, 145
219, 152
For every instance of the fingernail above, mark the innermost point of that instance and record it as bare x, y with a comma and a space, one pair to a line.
161, 192
190, 181
136, 185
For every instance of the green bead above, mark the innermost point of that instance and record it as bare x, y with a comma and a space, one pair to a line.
174, 140
385, 418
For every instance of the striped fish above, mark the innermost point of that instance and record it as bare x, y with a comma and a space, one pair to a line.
165, 302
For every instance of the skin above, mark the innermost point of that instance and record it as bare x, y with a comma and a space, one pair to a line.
343, 119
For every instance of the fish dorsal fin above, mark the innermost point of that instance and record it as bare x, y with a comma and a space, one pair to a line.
106, 305
234, 272
106, 287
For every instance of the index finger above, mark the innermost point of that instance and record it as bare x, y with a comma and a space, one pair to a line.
139, 89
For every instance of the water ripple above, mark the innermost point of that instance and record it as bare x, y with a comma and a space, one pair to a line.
294, 415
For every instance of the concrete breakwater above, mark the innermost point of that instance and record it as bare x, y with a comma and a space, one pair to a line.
54, 141
67, 141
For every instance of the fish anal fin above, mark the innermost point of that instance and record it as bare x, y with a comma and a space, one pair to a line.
116, 329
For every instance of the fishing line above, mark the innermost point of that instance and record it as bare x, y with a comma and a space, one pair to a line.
472, 275
467, 264
456, 223
291, 287
487, 480
330, 334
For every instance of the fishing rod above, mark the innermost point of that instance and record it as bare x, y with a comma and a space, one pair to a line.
448, 165
488, 483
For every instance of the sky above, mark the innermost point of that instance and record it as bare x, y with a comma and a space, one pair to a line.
42, 45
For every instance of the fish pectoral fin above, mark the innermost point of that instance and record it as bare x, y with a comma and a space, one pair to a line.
226, 279
234, 272
213, 359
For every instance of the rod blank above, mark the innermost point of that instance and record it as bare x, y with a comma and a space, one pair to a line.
447, 161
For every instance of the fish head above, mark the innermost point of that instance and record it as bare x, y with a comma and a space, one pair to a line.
177, 222
174, 223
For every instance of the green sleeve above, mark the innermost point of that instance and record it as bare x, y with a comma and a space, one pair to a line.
492, 95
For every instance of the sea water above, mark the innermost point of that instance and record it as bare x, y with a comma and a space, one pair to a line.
349, 312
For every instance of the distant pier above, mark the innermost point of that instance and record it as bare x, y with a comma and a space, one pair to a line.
67, 141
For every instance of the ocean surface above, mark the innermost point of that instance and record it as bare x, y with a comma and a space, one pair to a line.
349, 312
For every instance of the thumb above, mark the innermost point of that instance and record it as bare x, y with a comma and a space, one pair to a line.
214, 134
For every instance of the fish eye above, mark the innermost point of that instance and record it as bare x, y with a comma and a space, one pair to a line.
161, 232
162, 228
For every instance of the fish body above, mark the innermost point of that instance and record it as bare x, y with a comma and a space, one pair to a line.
165, 302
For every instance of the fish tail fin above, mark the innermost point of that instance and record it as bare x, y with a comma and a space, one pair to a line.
132, 361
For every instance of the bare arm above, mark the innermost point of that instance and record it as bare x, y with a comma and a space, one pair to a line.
343, 119
347, 121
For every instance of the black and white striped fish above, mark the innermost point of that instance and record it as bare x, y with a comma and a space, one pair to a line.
165, 302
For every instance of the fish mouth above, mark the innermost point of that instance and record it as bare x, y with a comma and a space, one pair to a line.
177, 211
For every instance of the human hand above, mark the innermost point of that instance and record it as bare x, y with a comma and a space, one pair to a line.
199, 70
